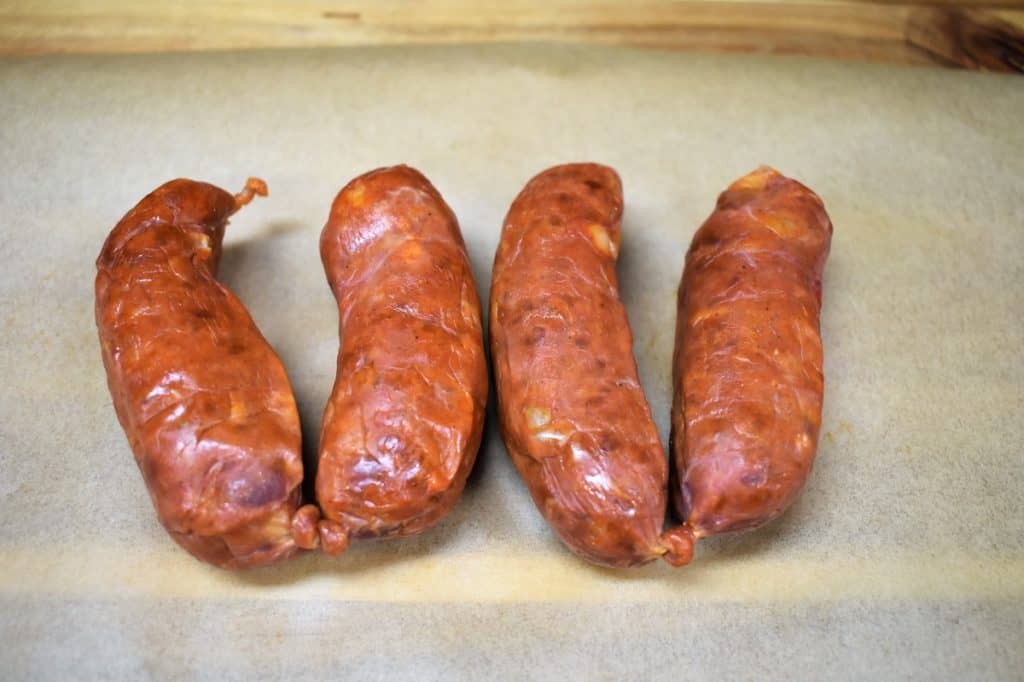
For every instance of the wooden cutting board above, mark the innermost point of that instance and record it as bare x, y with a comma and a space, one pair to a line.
977, 34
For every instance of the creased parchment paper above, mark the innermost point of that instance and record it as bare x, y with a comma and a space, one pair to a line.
903, 558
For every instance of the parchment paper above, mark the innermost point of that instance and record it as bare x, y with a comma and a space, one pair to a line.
904, 558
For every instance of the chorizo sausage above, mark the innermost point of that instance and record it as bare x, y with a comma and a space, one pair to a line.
747, 367
404, 420
572, 412
203, 399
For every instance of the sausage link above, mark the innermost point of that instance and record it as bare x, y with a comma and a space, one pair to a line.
572, 411
403, 424
202, 397
748, 359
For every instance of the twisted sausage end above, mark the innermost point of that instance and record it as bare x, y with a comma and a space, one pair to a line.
678, 543
253, 187
304, 527
333, 537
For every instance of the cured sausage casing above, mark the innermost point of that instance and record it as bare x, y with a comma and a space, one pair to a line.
573, 414
748, 356
202, 397
403, 423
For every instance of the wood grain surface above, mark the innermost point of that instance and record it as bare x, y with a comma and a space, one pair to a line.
974, 34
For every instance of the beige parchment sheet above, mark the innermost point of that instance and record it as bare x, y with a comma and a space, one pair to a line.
903, 558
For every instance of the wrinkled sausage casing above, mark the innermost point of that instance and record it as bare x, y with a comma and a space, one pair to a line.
403, 423
573, 414
748, 357
203, 399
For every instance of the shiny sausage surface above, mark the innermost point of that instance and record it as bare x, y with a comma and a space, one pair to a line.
403, 423
203, 399
748, 357
573, 414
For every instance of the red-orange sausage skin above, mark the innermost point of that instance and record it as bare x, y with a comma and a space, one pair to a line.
404, 420
748, 358
203, 399
573, 414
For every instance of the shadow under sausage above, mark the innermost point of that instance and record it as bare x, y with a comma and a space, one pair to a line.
489, 436
236, 256
231, 271
362, 556
763, 541
310, 418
